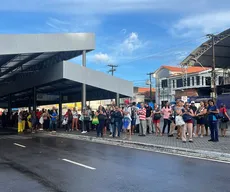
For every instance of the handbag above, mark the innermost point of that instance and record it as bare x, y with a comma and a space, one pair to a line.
95, 121
157, 116
179, 120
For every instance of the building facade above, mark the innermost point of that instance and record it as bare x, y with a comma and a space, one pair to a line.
175, 83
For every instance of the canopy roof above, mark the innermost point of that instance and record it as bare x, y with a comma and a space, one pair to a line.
203, 54
22, 54
67, 80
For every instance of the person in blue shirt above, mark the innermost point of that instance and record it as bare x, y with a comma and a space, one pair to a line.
54, 116
212, 119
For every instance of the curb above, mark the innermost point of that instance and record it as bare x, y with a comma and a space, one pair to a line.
215, 156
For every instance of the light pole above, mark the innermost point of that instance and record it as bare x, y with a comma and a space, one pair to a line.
150, 84
214, 90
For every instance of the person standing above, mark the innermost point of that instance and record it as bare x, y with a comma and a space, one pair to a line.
194, 109
75, 119
127, 119
200, 113
117, 118
54, 116
212, 119
224, 120
157, 119
166, 111
134, 110
86, 119
187, 115
142, 117
100, 127
149, 123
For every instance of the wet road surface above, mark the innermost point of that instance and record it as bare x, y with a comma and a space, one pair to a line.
58, 164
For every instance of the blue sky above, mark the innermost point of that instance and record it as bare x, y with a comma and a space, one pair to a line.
137, 35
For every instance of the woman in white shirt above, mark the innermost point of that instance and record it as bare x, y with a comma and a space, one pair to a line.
75, 119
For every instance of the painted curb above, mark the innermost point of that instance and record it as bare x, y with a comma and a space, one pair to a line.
149, 147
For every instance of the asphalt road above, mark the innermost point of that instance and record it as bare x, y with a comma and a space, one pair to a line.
57, 164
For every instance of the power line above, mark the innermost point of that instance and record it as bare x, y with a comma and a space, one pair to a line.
203, 37
113, 68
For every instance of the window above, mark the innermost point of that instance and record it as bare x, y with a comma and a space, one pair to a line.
188, 81
197, 80
164, 83
202, 83
179, 83
193, 81
221, 80
208, 80
173, 83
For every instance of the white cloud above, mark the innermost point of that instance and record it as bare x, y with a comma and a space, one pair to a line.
74, 24
102, 58
202, 24
130, 44
112, 6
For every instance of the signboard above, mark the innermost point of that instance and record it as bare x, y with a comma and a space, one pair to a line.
184, 98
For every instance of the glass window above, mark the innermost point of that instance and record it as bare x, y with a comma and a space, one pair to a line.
202, 83
208, 80
164, 83
193, 81
197, 80
179, 83
173, 83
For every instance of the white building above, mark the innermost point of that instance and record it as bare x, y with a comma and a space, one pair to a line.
171, 83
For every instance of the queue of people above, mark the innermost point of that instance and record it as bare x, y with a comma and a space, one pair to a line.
186, 119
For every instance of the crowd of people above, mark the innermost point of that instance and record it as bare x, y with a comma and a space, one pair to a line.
186, 119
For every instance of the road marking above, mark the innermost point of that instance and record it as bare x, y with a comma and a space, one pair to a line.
79, 164
19, 145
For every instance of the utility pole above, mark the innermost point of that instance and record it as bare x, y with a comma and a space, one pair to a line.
113, 68
150, 84
213, 84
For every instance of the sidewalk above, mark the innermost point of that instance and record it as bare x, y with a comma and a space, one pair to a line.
200, 148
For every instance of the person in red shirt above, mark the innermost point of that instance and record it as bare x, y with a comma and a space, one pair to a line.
142, 117
38, 116
224, 120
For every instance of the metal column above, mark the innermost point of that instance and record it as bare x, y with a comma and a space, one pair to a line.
83, 99
34, 99
117, 99
60, 109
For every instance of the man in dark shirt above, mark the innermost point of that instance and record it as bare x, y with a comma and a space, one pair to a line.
149, 111
194, 109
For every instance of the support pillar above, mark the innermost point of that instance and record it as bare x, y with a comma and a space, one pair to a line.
117, 99
83, 99
34, 99
60, 109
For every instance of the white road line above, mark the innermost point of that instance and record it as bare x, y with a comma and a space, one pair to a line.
19, 145
79, 164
